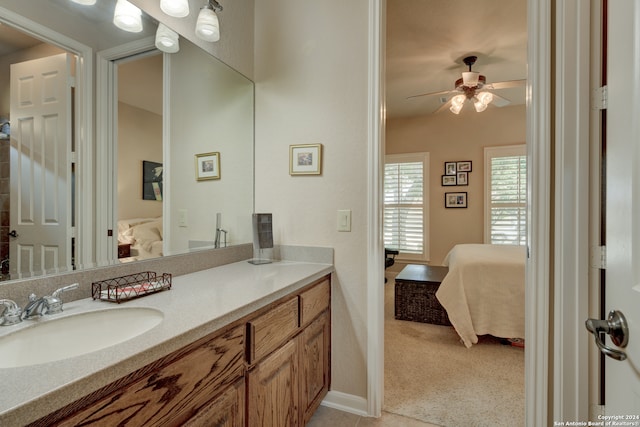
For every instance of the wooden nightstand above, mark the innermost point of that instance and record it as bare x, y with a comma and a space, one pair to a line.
124, 250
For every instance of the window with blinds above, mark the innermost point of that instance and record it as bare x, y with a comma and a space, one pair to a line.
405, 205
506, 195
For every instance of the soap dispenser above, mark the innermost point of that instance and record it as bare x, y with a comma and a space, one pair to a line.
262, 239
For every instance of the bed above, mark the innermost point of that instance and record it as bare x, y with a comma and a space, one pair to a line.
483, 293
143, 234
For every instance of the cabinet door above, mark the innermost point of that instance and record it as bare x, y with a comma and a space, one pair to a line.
315, 344
225, 411
273, 389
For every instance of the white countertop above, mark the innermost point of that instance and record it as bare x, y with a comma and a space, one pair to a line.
197, 305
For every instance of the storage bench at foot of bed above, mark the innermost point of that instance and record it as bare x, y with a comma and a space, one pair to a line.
415, 294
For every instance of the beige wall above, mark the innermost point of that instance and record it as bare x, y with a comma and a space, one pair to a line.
311, 67
139, 138
449, 137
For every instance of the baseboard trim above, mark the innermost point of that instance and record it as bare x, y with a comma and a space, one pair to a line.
346, 402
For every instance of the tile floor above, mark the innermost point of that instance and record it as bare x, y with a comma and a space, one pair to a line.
325, 416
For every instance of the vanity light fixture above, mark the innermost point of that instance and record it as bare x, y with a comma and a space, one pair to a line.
208, 26
167, 40
175, 8
85, 2
127, 17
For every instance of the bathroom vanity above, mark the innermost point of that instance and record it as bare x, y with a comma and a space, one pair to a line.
238, 345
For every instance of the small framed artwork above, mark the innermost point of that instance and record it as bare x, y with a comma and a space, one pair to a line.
462, 178
450, 168
305, 159
455, 200
464, 166
207, 166
151, 180
448, 180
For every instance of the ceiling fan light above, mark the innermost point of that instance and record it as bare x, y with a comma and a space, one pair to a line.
208, 26
167, 40
458, 100
455, 108
175, 8
485, 97
127, 17
470, 78
479, 106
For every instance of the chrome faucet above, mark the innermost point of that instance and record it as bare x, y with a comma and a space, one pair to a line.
11, 313
45, 305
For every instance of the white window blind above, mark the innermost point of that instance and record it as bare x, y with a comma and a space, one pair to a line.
506, 195
405, 205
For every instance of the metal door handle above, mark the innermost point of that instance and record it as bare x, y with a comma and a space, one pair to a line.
13, 233
616, 327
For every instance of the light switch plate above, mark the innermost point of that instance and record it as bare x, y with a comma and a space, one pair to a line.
344, 220
183, 218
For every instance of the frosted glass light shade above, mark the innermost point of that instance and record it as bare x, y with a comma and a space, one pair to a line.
127, 17
479, 106
85, 2
457, 102
485, 97
175, 8
470, 78
208, 26
167, 40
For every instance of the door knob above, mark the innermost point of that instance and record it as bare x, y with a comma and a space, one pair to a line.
616, 327
13, 233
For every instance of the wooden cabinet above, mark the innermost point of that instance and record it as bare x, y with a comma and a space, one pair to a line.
315, 356
171, 394
273, 389
285, 387
271, 368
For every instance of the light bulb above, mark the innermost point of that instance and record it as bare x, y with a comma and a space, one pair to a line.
85, 2
208, 26
127, 17
167, 40
175, 8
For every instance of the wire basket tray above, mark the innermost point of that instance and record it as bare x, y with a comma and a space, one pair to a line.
131, 286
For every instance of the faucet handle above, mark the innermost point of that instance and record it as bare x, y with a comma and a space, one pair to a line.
12, 313
54, 302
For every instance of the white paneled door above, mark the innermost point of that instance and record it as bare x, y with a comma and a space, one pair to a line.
622, 377
41, 167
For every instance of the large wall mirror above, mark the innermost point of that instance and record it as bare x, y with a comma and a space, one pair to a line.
164, 166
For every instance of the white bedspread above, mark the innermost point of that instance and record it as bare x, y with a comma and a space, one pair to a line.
483, 292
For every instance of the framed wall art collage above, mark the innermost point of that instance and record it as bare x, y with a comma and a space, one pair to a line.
456, 174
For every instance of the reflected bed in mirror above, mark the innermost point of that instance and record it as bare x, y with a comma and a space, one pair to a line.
205, 106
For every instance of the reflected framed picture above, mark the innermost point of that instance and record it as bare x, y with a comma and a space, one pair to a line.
449, 180
455, 200
151, 180
305, 159
207, 166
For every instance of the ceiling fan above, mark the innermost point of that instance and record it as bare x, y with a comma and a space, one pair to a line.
473, 87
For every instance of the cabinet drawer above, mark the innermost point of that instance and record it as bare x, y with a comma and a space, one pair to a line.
314, 301
173, 393
268, 331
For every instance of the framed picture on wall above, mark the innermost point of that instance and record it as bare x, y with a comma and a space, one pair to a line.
464, 166
462, 178
151, 180
450, 168
455, 200
207, 166
448, 180
305, 159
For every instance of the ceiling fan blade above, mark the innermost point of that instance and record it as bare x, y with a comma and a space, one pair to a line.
506, 84
446, 105
499, 101
442, 92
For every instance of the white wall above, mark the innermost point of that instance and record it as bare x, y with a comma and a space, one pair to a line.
311, 74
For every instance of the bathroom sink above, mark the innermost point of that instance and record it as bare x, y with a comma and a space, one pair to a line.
56, 339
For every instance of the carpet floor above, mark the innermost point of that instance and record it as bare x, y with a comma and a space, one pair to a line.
431, 376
